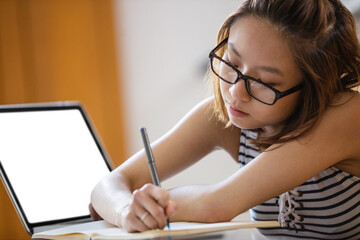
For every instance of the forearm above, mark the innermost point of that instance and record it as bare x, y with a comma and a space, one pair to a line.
199, 203
109, 196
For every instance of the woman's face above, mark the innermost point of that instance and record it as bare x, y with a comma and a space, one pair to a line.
259, 51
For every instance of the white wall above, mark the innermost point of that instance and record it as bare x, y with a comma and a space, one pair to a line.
164, 53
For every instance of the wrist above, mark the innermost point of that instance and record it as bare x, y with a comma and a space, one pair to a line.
118, 215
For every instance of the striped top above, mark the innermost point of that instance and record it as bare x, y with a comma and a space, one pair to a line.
326, 206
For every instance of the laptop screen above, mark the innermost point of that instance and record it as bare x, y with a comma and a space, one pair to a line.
52, 161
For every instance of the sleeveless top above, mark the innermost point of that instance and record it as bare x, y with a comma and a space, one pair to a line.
326, 206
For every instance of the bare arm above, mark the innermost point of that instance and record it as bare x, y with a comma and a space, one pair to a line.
270, 174
197, 134
277, 171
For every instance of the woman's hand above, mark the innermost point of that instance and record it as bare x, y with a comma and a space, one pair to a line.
149, 209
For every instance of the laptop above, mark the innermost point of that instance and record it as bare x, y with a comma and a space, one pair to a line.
50, 160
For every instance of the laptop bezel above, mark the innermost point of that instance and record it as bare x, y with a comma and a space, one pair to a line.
51, 106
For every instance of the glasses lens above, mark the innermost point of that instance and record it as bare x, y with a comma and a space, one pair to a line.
223, 70
260, 92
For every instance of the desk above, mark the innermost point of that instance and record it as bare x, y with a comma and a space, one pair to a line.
239, 234
249, 233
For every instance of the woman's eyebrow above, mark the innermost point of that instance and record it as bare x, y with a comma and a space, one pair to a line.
263, 68
233, 49
270, 70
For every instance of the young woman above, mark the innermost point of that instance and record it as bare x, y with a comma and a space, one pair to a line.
283, 74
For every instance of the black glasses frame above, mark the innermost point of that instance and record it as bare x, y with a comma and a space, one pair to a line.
278, 94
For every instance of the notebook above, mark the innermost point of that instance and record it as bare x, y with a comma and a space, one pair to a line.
102, 230
50, 160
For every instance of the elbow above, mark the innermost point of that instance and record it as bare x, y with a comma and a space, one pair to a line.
93, 213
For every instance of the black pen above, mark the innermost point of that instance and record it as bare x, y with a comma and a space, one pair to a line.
151, 162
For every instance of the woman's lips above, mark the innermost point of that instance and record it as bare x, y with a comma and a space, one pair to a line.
237, 113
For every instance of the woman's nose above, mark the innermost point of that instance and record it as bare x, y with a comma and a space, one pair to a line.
238, 91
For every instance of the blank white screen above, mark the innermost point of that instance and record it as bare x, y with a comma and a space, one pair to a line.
52, 162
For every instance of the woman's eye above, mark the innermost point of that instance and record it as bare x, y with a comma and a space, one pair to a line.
268, 83
226, 59
272, 84
234, 65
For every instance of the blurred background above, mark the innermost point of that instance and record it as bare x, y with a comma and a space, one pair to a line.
131, 63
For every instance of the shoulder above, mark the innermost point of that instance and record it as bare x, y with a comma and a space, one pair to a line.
344, 112
341, 120
346, 100
333, 136
344, 123
337, 133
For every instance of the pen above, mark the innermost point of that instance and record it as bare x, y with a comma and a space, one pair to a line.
151, 162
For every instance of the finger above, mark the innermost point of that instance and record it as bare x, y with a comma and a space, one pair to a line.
149, 221
145, 217
157, 212
129, 218
131, 223
156, 218
161, 195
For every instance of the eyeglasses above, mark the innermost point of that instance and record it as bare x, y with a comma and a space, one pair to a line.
257, 89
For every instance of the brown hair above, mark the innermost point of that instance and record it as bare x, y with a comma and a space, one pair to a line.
322, 37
